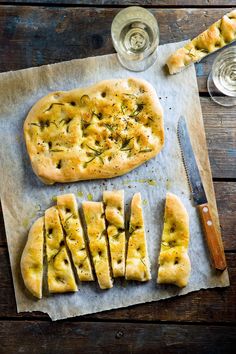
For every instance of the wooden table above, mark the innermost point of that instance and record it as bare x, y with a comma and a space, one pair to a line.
32, 34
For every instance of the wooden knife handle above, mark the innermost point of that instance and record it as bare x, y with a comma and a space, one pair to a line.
213, 238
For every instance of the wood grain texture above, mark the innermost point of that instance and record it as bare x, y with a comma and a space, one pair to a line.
33, 36
212, 237
73, 337
220, 127
209, 306
123, 3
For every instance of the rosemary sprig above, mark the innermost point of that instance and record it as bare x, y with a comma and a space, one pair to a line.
110, 127
125, 144
137, 110
50, 107
36, 124
70, 216
145, 150
96, 153
56, 150
143, 262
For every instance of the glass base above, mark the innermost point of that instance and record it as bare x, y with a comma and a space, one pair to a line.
217, 96
138, 65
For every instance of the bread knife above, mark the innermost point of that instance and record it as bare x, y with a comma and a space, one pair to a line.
211, 234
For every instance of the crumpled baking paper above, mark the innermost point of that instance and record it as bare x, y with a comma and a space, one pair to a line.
24, 197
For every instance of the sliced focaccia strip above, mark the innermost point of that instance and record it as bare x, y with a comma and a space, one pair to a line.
114, 210
68, 211
174, 262
215, 37
101, 131
60, 274
137, 261
32, 259
96, 230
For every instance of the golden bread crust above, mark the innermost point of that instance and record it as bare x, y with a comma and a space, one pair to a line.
137, 261
68, 211
32, 259
114, 211
97, 237
215, 37
59, 273
174, 263
101, 131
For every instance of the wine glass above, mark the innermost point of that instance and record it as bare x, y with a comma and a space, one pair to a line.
135, 36
221, 81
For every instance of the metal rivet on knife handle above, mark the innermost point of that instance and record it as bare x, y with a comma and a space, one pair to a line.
212, 237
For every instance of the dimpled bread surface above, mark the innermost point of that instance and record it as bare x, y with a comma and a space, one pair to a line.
102, 131
59, 270
114, 211
98, 244
218, 35
174, 262
137, 261
32, 259
69, 215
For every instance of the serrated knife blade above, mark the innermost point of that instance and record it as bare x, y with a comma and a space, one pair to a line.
194, 178
212, 236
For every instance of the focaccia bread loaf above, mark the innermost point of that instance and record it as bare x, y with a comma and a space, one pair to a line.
174, 262
59, 270
114, 211
97, 237
69, 215
101, 131
137, 261
215, 37
32, 259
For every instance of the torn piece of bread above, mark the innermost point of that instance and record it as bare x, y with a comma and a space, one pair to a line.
60, 274
218, 35
137, 261
32, 259
102, 131
174, 262
114, 211
97, 236
69, 215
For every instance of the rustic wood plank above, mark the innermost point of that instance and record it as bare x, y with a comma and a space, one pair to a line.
226, 201
123, 3
220, 127
73, 337
33, 35
213, 305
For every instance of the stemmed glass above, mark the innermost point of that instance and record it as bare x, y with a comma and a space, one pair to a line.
135, 36
221, 82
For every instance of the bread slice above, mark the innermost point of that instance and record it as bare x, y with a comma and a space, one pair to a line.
101, 131
114, 211
32, 259
97, 236
137, 262
60, 274
174, 262
68, 211
218, 35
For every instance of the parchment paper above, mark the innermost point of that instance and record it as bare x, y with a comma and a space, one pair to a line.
24, 198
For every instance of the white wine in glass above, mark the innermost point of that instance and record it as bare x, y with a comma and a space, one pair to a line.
135, 36
222, 79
